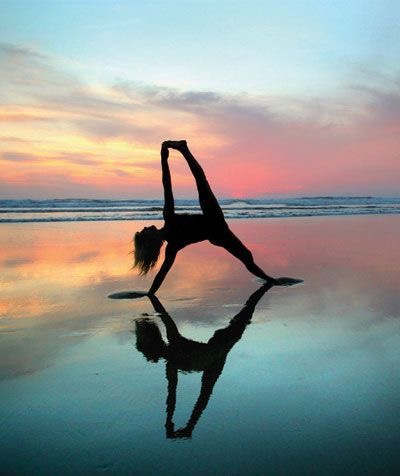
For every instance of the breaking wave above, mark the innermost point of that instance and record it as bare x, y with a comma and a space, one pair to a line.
60, 210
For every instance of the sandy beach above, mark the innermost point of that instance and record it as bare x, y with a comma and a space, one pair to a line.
311, 386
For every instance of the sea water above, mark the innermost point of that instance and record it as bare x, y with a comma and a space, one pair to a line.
61, 210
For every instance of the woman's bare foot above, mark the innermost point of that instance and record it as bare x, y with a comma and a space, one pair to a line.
175, 144
287, 281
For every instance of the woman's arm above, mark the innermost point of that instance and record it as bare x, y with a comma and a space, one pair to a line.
170, 326
170, 254
169, 207
208, 202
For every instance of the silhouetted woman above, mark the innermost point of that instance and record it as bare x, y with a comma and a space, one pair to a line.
181, 230
185, 354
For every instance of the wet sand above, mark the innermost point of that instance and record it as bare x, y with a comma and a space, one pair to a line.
311, 386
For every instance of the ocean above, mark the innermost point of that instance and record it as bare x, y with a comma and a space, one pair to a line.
64, 210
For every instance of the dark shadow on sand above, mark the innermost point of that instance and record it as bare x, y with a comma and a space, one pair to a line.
128, 295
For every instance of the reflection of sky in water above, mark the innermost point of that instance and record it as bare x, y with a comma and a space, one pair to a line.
311, 388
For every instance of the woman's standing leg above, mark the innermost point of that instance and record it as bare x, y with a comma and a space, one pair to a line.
231, 243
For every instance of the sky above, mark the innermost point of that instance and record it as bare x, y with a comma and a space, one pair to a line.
275, 98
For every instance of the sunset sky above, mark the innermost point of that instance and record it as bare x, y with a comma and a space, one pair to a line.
275, 98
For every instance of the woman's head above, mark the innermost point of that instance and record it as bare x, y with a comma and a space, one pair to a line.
149, 340
148, 244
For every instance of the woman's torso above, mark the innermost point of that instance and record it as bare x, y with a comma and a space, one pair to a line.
184, 229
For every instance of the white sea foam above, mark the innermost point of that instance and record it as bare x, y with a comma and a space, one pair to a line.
16, 211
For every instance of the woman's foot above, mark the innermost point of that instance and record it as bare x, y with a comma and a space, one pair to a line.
175, 144
287, 281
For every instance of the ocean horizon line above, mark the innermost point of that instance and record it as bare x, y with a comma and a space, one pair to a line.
266, 197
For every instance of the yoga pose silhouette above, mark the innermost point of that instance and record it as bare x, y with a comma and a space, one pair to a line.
181, 230
187, 355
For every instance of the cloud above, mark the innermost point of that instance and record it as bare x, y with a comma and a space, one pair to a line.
18, 157
385, 107
12, 139
80, 99
41, 82
20, 117
85, 257
80, 159
167, 97
35, 82
85, 159
18, 53
248, 144
17, 261
121, 173
103, 129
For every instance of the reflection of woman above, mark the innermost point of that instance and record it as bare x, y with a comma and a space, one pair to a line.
187, 355
181, 230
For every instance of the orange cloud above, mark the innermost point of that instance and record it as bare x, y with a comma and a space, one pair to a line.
76, 139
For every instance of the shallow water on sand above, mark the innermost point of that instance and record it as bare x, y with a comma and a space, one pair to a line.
310, 386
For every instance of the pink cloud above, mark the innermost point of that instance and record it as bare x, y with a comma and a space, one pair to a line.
247, 145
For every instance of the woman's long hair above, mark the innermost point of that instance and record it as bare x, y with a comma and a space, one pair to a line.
147, 249
149, 340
